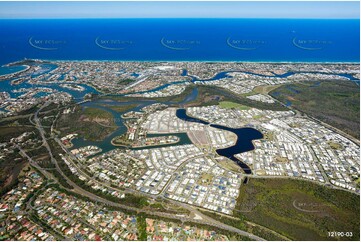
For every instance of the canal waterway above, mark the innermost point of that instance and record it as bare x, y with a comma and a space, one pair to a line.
105, 104
245, 136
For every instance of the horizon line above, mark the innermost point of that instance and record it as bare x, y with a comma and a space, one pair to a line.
70, 18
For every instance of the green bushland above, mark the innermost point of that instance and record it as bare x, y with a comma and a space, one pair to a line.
271, 203
334, 102
50, 107
142, 226
126, 81
13, 184
93, 113
175, 98
12, 163
61, 179
29, 111
41, 150
120, 108
11, 166
242, 224
90, 123
212, 95
46, 120
8, 132
207, 95
122, 140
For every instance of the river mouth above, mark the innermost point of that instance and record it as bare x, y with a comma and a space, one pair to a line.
245, 136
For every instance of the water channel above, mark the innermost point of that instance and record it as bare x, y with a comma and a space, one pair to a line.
245, 136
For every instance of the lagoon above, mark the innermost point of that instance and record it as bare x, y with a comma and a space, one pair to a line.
245, 136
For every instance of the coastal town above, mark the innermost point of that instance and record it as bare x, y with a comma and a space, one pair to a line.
73, 218
140, 79
180, 120
171, 150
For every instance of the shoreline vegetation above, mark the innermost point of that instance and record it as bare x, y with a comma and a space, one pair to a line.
269, 203
337, 103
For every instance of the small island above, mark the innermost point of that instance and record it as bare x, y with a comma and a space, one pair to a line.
73, 87
145, 142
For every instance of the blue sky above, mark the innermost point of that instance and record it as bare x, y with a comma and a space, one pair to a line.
324, 9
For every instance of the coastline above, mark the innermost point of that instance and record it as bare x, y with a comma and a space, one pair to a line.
27, 67
192, 61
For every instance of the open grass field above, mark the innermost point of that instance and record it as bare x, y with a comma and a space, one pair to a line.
299, 210
336, 103
226, 104
265, 89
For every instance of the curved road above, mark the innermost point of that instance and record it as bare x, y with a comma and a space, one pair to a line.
205, 219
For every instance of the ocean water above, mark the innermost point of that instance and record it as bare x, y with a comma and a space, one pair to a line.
11, 69
269, 40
